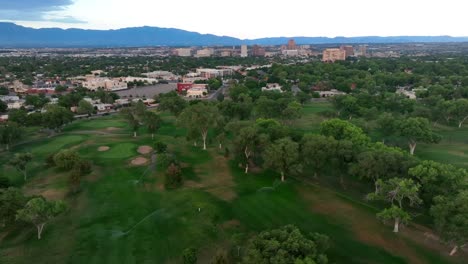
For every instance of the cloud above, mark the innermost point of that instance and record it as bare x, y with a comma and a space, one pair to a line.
37, 10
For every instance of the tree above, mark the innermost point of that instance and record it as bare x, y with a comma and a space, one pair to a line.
39, 211
292, 112
381, 162
246, 142
171, 102
460, 111
4, 182
3, 107
4, 90
394, 213
152, 122
282, 156
18, 116
346, 105
286, 245
344, 130
396, 191
417, 129
38, 101
60, 89
9, 133
11, 200
438, 179
450, 215
80, 168
66, 159
200, 117
386, 125
160, 147
56, 116
316, 150
132, 119
85, 108
20, 162
189, 256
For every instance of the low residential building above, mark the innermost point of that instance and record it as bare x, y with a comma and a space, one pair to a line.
214, 73
164, 75
114, 84
409, 94
183, 52
272, 87
3, 118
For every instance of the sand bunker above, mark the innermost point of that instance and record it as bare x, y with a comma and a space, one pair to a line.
139, 161
145, 150
103, 148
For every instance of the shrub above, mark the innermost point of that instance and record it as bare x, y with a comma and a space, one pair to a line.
173, 177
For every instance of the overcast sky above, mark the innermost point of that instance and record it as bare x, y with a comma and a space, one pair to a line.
250, 18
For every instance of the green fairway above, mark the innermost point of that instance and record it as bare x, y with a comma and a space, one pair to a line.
124, 215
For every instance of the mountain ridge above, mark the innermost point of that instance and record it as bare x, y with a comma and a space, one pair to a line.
12, 35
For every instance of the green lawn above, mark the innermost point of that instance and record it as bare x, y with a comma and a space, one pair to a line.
123, 215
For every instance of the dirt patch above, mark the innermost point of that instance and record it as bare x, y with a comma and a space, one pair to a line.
143, 150
215, 178
49, 194
139, 161
112, 129
103, 148
234, 223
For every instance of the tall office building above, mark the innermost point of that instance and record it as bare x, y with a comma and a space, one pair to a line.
349, 50
258, 51
292, 44
244, 51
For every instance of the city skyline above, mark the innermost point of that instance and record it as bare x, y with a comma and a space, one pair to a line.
242, 18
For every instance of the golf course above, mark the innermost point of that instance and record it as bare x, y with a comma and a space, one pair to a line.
123, 213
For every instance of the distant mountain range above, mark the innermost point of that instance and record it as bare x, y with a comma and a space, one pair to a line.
12, 35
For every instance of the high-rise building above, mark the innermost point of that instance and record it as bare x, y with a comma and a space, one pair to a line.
363, 50
349, 50
244, 51
258, 51
331, 55
292, 44
184, 52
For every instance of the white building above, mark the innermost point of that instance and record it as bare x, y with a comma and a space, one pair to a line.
164, 75
184, 52
197, 92
272, 87
115, 84
208, 52
244, 51
214, 73
332, 92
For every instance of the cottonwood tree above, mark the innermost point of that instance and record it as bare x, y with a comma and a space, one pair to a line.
200, 117
171, 102
381, 162
152, 122
66, 159
292, 112
20, 162
415, 130
317, 150
282, 156
344, 130
246, 143
438, 179
9, 133
11, 200
286, 245
131, 119
85, 107
460, 111
56, 116
39, 211
450, 215
396, 191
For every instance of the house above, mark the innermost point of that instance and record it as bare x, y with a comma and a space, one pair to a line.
272, 87
409, 94
332, 92
3, 118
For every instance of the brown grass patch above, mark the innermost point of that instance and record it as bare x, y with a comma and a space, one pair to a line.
110, 129
103, 148
233, 223
139, 161
143, 150
215, 178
